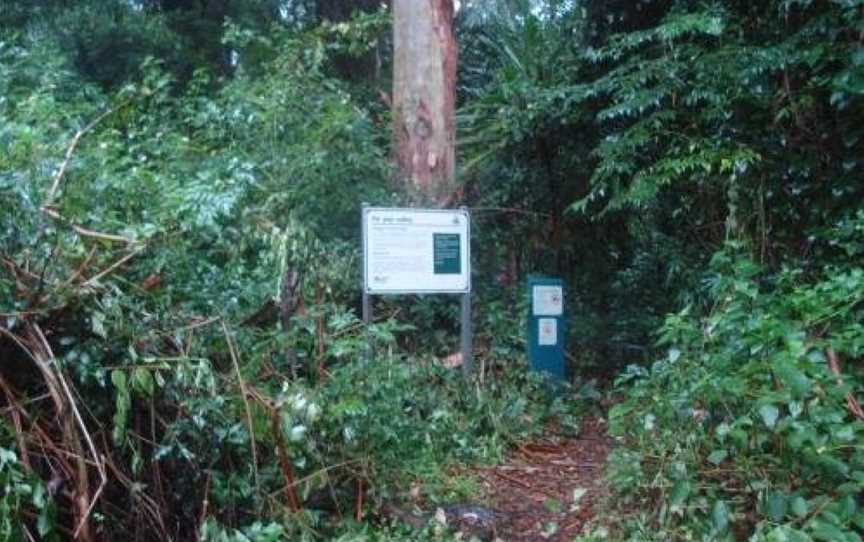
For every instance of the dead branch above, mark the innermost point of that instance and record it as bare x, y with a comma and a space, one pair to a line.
16, 412
242, 384
84, 232
70, 150
284, 462
144, 501
205, 502
509, 210
358, 511
113, 267
79, 271
84, 500
851, 402
36, 347
317, 473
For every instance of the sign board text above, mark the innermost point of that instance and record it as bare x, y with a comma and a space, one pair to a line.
419, 251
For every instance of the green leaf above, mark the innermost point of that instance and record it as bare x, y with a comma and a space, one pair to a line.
717, 456
578, 493
776, 506
45, 522
793, 378
553, 505
142, 381
680, 492
97, 323
720, 516
799, 507
845, 433
118, 378
784, 533
769, 414
828, 532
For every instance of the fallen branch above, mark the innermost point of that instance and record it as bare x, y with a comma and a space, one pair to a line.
525, 485
111, 268
582, 465
84, 232
512, 479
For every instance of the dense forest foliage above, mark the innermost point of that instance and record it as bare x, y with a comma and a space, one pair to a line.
175, 175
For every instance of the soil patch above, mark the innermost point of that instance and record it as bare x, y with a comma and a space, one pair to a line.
547, 490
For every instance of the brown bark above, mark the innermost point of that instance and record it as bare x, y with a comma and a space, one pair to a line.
424, 97
284, 463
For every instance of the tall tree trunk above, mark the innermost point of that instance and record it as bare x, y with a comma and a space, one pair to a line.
424, 97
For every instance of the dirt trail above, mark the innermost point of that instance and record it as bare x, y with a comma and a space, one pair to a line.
547, 490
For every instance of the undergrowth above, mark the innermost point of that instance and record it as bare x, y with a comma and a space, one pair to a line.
751, 427
395, 430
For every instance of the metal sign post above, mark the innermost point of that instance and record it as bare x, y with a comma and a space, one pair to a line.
466, 340
419, 251
367, 299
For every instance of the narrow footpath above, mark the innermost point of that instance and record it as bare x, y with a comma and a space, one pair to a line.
547, 490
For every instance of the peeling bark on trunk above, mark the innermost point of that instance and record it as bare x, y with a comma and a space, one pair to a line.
424, 97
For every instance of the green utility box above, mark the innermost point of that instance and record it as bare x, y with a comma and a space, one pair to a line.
546, 326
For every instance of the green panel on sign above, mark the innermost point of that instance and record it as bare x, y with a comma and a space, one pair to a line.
447, 253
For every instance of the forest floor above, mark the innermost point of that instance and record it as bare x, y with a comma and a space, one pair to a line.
547, 490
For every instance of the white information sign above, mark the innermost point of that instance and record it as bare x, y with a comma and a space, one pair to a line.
548, 300
416, 251
547, 334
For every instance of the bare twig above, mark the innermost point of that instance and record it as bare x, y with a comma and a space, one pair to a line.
509, 210
144, 501
80, 269
358, 512
511, 479
111, 268
16, 413
851, 402
285, 463
84, 232
70, 150
50, 380
242, 384
198, 324
319, 333
317, 473
205, 502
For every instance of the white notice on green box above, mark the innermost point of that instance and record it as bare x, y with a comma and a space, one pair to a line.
548, 300
547, 332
